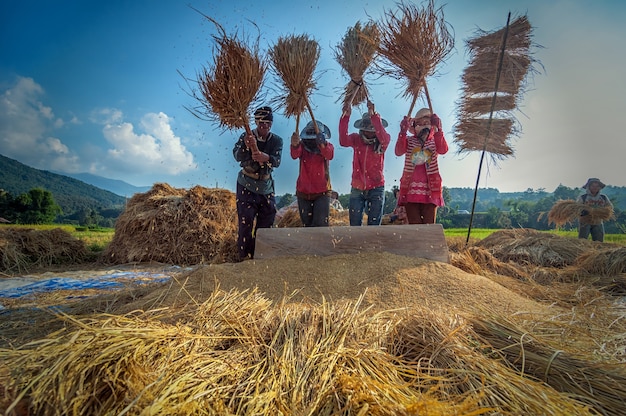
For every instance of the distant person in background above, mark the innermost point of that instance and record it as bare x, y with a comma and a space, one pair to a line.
256, 200
596, 199
313, 187
420, 185
368, 181
398, 215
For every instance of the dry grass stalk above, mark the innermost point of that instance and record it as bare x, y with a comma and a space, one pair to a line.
232, 82
483, 104
413, 42
176, 226
294, 59
24, 249
291, 218
355, 53
567, 211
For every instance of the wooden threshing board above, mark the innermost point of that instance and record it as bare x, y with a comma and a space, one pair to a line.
414, 240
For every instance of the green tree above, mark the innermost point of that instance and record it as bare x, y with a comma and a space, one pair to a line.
37, 207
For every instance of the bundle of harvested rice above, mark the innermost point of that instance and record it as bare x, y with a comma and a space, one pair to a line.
412, 43
24, 249
355, 53
567, 211
294, 59
176, 226
231, 83
601, 386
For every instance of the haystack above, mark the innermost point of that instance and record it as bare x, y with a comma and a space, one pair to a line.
176, 226
24, 249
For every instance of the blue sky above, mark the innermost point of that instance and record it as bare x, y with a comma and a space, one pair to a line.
96, 87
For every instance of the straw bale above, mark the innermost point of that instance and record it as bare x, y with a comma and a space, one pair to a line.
526, 246
25, 249
413, 41
231, 82
176, 226
355, 53
294, 59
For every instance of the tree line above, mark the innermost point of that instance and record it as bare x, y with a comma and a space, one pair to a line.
492, 209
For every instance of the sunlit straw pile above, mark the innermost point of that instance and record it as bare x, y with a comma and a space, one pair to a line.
493, 84
291, 218
24, 249
355, 53
568, 211
176, 226
231, 83
235, 354
413, 41
294, 59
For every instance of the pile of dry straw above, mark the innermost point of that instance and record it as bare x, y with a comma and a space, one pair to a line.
176, 226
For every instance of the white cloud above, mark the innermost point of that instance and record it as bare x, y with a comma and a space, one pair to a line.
156, 150
24, 126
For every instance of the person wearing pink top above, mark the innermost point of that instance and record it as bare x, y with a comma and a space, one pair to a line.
368, 181
313, 187
421, 184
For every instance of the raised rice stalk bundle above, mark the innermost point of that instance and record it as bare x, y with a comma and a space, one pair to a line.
413, 42
294, 59
231, 83
355, 53
567, 211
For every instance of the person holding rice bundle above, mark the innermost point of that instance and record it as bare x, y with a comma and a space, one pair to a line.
368, 181
420, 184
258, 155
588, 224
313, 187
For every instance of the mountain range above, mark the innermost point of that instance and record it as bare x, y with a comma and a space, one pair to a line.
71, 193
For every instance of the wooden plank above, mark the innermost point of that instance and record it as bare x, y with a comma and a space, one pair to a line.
413, 240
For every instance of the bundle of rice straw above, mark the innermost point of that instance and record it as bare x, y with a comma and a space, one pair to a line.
355, 53
493, 83
413, 43
294, 59
232, 83
567, 211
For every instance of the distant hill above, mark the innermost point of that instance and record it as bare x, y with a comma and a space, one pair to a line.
113, 185
71, 194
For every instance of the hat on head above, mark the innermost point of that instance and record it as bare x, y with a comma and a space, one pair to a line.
365, 123
591, 180
264, 114
308, 132
423, 113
